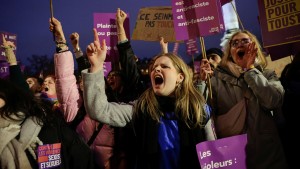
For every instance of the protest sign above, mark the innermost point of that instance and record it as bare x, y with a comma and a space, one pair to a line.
4, 69
154, 22
225, 153
197, 18
105, 24
280, 25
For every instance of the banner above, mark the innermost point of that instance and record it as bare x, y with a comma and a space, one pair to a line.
195, 18
154, 22
9, 37
105, 24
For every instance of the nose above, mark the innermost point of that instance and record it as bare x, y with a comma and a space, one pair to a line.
157, 69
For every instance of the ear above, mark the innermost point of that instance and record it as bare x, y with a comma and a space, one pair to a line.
180, 78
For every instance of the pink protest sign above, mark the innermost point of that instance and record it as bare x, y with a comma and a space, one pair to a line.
197, 18
9, 37
105, 24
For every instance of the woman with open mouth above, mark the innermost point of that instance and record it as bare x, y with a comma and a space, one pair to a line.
168, 118
242, 74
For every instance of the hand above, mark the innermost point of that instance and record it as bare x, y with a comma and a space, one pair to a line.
120, 17
55, 26
247, 62
163, 45
96, 53
205, 69
9, 53
74, 37
7, 44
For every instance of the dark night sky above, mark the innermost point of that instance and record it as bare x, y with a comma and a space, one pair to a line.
29, 20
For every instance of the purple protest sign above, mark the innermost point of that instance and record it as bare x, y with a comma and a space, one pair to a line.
106, 68
9, 37
279, 19
225, 153
105, 24
197, 18
4, 69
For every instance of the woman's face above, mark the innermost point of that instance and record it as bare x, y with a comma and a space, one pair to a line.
49, 86
239, 45
2, 103
164, 76
114, 81
30, 82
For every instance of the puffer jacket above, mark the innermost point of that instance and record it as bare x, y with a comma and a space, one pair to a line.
69, 96
264, 149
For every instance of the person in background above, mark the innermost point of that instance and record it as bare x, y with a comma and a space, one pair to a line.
168, 118
242, 73
213, 58
48, 92
29, 129
34, 85
290, 80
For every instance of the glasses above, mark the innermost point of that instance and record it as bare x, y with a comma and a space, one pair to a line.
235, 43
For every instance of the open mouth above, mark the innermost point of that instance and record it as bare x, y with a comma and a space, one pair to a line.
46, 89
241, 53
158, 80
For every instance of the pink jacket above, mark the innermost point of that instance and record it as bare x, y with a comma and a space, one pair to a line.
70, 99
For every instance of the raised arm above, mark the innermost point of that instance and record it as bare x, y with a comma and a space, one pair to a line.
81, 59
95, 99
15, 73
67, 90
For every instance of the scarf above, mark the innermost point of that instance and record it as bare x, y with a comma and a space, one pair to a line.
12, 150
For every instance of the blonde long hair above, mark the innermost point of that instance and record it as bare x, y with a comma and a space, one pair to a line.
189, 103
227, 58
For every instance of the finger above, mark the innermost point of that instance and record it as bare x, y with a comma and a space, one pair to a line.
96, 38
3, 39
103, 45
123, 14
118, 12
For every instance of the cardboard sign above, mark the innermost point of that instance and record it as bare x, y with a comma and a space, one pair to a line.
105, 24
9, 37
197, 18
154, 22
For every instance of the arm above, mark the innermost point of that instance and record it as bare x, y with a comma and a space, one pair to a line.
81, 59
67, 91
163, 45
126, 54
267, 88
95, 99
15, 73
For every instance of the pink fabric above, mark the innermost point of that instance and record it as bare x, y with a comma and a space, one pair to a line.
70, 99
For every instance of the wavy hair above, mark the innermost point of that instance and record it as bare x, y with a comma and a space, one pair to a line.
189, 103
20, 104
227, 58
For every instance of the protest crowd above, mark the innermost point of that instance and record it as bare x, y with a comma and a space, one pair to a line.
126, 119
